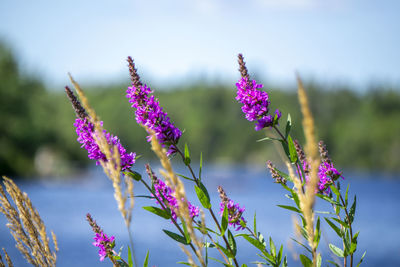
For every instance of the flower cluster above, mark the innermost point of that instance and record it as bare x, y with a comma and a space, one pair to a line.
104, 243
327, 175
85, 132
149, 113
234, 210
165, 193
255, 103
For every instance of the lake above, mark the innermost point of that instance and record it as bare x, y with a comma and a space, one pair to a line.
63, 206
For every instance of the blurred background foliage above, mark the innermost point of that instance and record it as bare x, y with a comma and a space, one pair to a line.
37, 137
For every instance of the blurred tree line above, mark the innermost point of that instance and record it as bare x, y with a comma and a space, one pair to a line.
37, 136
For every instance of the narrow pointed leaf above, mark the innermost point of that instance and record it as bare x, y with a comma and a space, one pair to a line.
232, 243
146, 260
305, 261
334, 227
288, 126
203, 197
361, 260
352, 210
176, 237
224, 221
292, 150
337, 251
289, 208
187, 155
130, 262
159, 212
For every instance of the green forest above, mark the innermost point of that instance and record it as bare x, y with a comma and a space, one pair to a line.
37, 137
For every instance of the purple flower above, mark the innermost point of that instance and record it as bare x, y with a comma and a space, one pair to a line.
104, 243
85, 131
255, 103
234, 214
149, 113
166, 194
234, 210
327, 175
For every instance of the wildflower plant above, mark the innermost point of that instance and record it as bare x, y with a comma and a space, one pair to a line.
310, 176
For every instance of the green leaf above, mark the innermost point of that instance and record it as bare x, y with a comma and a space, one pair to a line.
176, 237
334, 190
132, 174
301, 244
352, 211
319, 260
292, 150
159, 212
255, 223
272, 246
268, 138
254, 242
224, 221
317, 235
203, 197
244, 265
184, 263
187, 236
305, 261
361, 260
285, 264
334, 227
185, 177
130, 262
285, 148
353, 245
337, 251
187, 155
288, 126
346, 197
201, 165
232, 243
289, 208
146, 260
329, 200
225, 251
345, 225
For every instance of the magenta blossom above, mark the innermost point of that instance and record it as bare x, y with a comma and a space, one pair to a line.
149, 113
166, 194
103, 242
85, 132
255, 103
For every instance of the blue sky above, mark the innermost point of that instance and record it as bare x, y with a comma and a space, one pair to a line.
355, 42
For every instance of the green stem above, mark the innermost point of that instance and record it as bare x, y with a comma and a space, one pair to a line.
197, 181
172, 219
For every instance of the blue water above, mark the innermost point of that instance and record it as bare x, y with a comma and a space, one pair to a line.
63, 206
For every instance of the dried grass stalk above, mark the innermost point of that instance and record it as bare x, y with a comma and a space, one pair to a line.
112, 167
26, 227
311, 149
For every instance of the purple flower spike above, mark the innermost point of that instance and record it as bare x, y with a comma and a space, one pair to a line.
165, 193
255, 103
104, 243
327, 175
234, 210
85, 131
149, 113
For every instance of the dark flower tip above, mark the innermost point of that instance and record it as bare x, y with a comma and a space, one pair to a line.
135, 78
79, 110
242, 68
